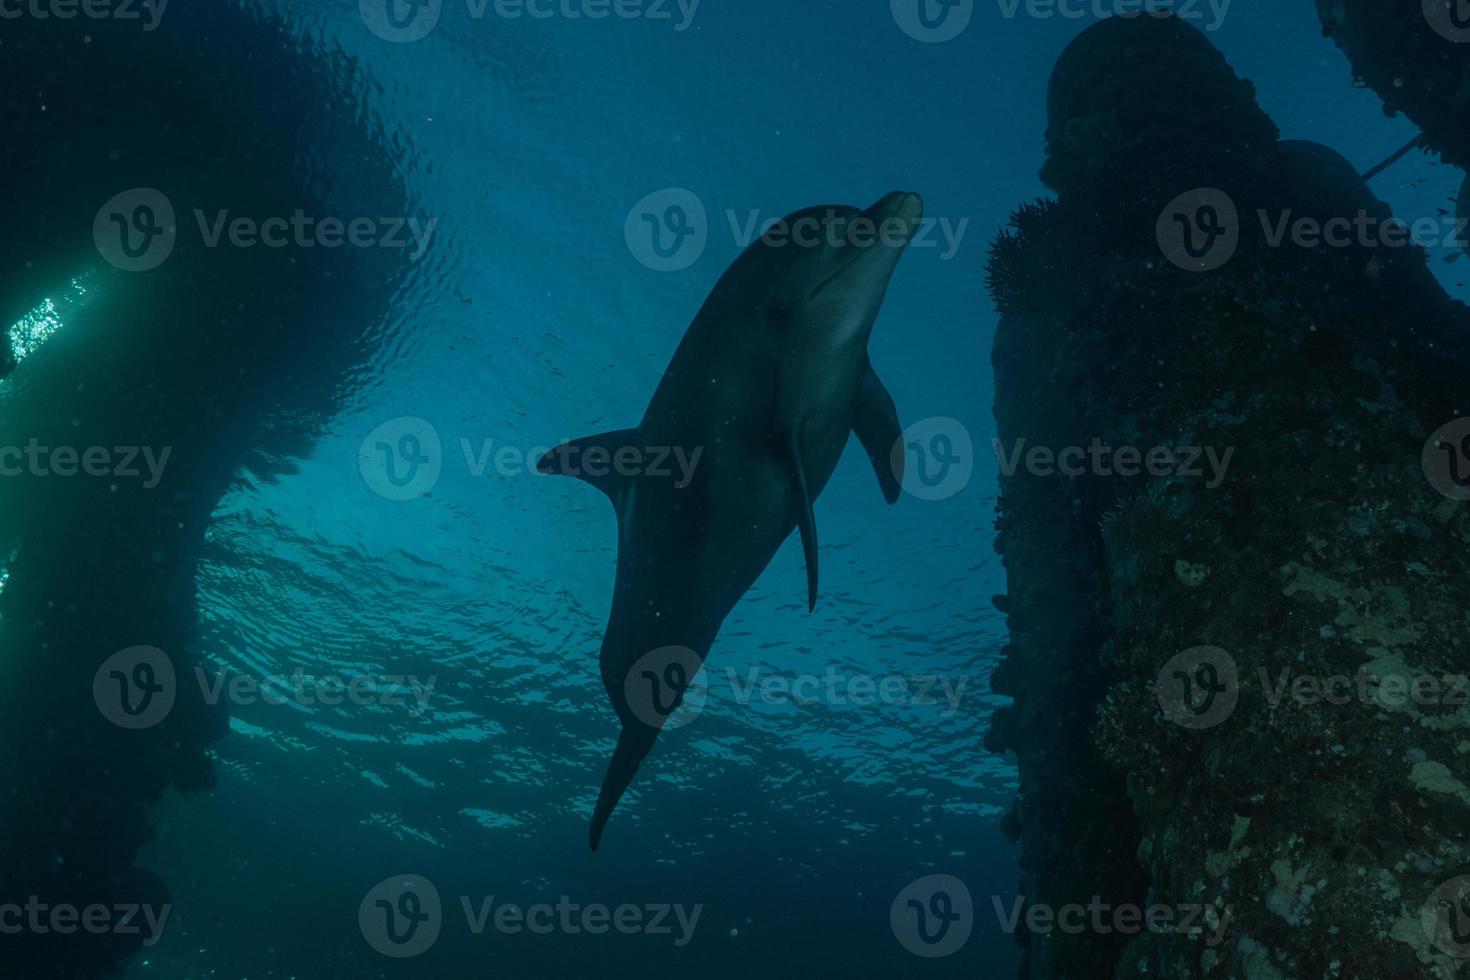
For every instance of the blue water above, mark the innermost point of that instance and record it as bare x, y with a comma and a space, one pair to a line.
532, 321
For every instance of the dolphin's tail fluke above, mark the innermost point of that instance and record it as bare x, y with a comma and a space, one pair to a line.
633, 745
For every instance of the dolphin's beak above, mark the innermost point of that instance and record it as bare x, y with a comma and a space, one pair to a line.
895, 220
899, 210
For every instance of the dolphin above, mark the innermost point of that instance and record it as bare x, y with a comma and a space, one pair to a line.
764, 389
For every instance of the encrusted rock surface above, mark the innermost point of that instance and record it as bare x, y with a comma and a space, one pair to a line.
1202, 656
1416, 57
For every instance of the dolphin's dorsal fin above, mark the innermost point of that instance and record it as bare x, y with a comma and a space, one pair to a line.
875, 420
804, 518
599, 469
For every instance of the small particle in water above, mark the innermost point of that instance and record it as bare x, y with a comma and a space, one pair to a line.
734, 933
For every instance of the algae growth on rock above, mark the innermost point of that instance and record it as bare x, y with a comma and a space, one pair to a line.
1207, 679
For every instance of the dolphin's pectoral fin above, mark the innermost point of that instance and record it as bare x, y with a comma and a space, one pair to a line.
875, 420
571, 459
804, 518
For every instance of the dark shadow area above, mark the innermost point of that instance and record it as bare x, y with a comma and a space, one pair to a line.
227, 358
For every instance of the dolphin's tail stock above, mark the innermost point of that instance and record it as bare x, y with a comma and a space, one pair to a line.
633, 744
